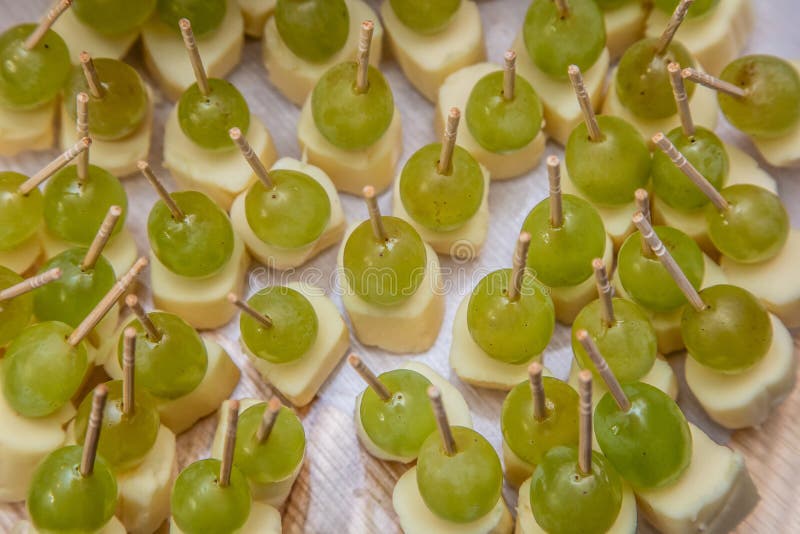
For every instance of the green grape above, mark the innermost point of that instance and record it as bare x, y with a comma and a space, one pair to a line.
313, 29
294, 325
646, 280
41, 371
124, 438
705, 151
642, 79
629, 345
562, 256
205, 15
292, 214
60, 499
206, 119
74, 209
200, 505
511, 331
200, 244
15, 314
567, 501
113, 17
608, 5
20, 215
530, 438
348, 119
650, 445
280, 454
424, 16
501, 125
555, 42
385, 272
753, 229
697, 9
31, 78
441, 202
123, 106
610, 170
174, 365
401, 424
771, 107
731, 334
70, 298
462, 487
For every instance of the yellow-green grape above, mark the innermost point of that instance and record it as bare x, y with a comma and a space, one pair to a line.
562, 256
15, 314
463, 487
292, 214
294, 325
41, 371
400, 424
629, 345
385, 272
697, 9
500, 125
113, 17
642, 79
608, 5
567, 501
205, 15
771, 107
348, 119
646, 280
20, 215
74, 209
705, 151
531, 438
441, 202
61, 499
313, 29
124, 438
650, 445
196, 246
425, 16
200, 505
610, 170
733, 332
31, 78
279, 455
555, 42
753, 229
206, 119
511, 331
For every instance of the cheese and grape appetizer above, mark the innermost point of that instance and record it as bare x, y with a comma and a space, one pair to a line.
305, 38
255, 14
16, 300
504, 324
624, 21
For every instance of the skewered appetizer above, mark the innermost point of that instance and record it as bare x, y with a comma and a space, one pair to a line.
255, 14
624, 21
16, 302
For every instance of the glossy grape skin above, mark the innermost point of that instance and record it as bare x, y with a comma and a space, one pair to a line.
732, 334
31, 78
629, 345
294, 325
60, 499
646, 280
424, 16
41, 372
610, 170
124, 439
313, 30
73, 296
697, 9
293, 214
650, 445
566, 501
205, 15
501, 125
385, 273
15, 314
206, 119
753, 229
510, 331
401, 424
555, 42
462, 487
173, 366
113, 17
199, 504
441, 202
529, 438
74, 211
348, 119
20, 215
278, 457
642, 79
197, 246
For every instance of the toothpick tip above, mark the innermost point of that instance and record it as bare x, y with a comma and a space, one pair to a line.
131, 300
553, 161
84, 57
510, 55
368, 192
585, 376
658, 137
233, 405
686, 73
434, 393
235, 133
582, 335
130, 332
86, 141
598, 263
353, 360
455, 113
274, 405
142, 165
101, 390
524, 237
641, 194
535, 368
673, 67
115, 210
185, 24
637, 217
574, 70
83, 98
367, 25
232, 298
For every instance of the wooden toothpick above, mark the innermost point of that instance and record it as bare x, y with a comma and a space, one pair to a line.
271, 412
148, 173
194, 56
250, 156
128, 368
535, 371
712, 82
54, 166
563, 8
369, 377
82, 128
445, 164
509, 74
585, 429
29, 284
643, 205
92, 78
603, 370
89, 452
675, 22
101, 238
554, 177
681, 98
604, 292
229, 445
45, 24
518, 266
585, 102
442, 423
265, 321
153, 332
374, 214
364, 43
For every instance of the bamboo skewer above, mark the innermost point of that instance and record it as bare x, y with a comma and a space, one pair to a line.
194, 56
82, 128
265, 321
518, 266
374, 213
442, 423
585, 102
585, 414
509, 74
537, 391
604, 291
92, 78
128, 368
250, 156
603, 370
54, 166
563, 7
89, 453
369, 377
643, 205
681, 99
445, 164
148, 173
713, 82
29, 284
47, 22
554, 178
364, 44
229, 445
153, 332
267, 423
678, 16
101, 238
